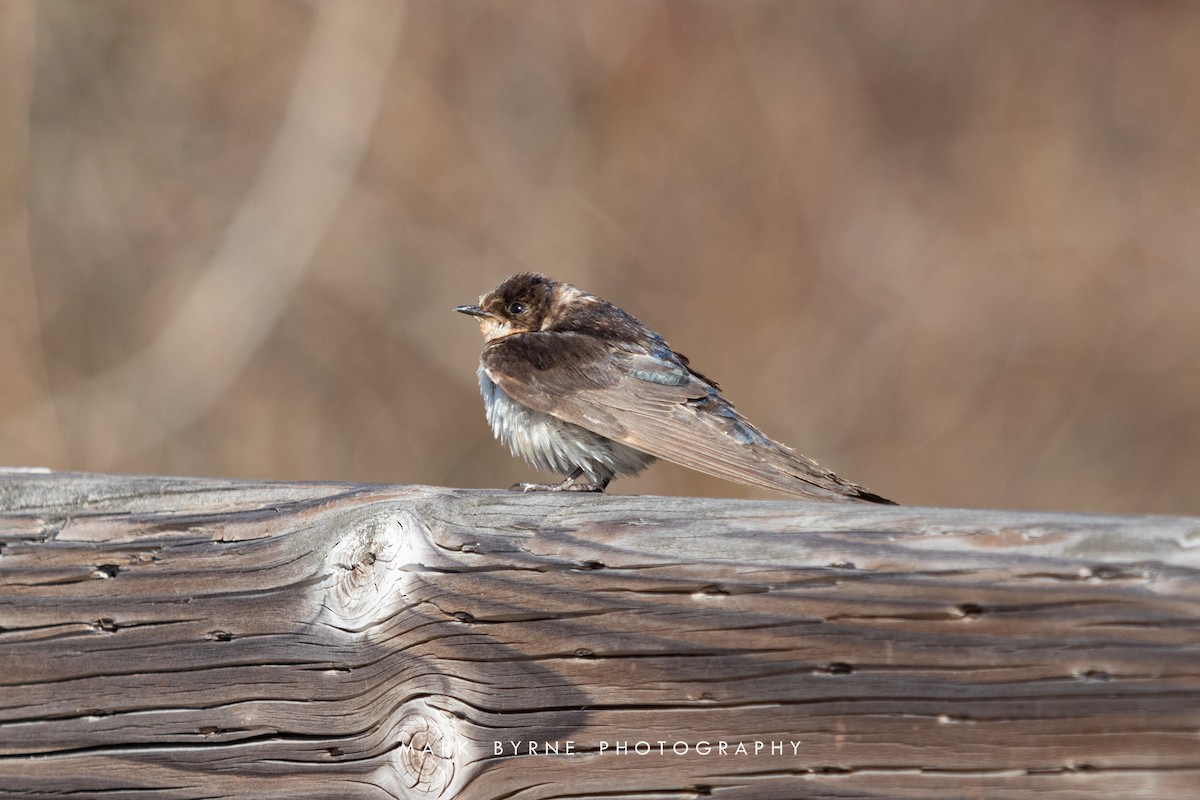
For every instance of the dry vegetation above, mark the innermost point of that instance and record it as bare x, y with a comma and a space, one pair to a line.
951, 250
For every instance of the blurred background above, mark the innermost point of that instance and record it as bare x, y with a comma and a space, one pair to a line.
949, 249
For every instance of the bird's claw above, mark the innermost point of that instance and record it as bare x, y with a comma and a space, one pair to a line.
555, 487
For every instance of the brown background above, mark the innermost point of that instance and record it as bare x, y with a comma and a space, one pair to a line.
949, 249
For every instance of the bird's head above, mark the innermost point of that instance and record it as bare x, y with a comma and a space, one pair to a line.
521, 303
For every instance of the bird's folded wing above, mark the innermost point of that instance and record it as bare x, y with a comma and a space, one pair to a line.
655, 404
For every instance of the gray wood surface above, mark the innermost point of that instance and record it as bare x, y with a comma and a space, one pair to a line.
186, 638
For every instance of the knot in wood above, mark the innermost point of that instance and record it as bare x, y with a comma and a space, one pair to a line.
427, 746
363, 565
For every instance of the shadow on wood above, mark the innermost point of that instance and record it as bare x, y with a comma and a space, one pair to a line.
186, 638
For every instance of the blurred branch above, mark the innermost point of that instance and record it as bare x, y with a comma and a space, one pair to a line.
265, 250
22, 362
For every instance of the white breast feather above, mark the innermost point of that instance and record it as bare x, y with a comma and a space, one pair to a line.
550, 444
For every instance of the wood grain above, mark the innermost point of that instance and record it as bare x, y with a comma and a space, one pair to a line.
188, 638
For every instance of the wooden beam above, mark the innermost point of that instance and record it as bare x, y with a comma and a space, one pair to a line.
187, 638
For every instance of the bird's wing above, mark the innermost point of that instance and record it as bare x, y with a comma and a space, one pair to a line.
654, 403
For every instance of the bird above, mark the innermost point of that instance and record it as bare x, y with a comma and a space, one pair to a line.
577, 386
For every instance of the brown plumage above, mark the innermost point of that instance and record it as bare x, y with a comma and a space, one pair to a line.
574, 384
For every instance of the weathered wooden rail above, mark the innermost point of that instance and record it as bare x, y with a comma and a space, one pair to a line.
184, 638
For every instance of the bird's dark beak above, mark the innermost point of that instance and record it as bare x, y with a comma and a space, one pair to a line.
474, 311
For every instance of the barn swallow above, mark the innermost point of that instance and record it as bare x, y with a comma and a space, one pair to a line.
577, 386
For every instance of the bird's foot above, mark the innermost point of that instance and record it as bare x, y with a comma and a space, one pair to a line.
534, 487
556, 487
568, 485
583, 487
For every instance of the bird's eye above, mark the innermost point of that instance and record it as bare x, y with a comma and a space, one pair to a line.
516, 308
